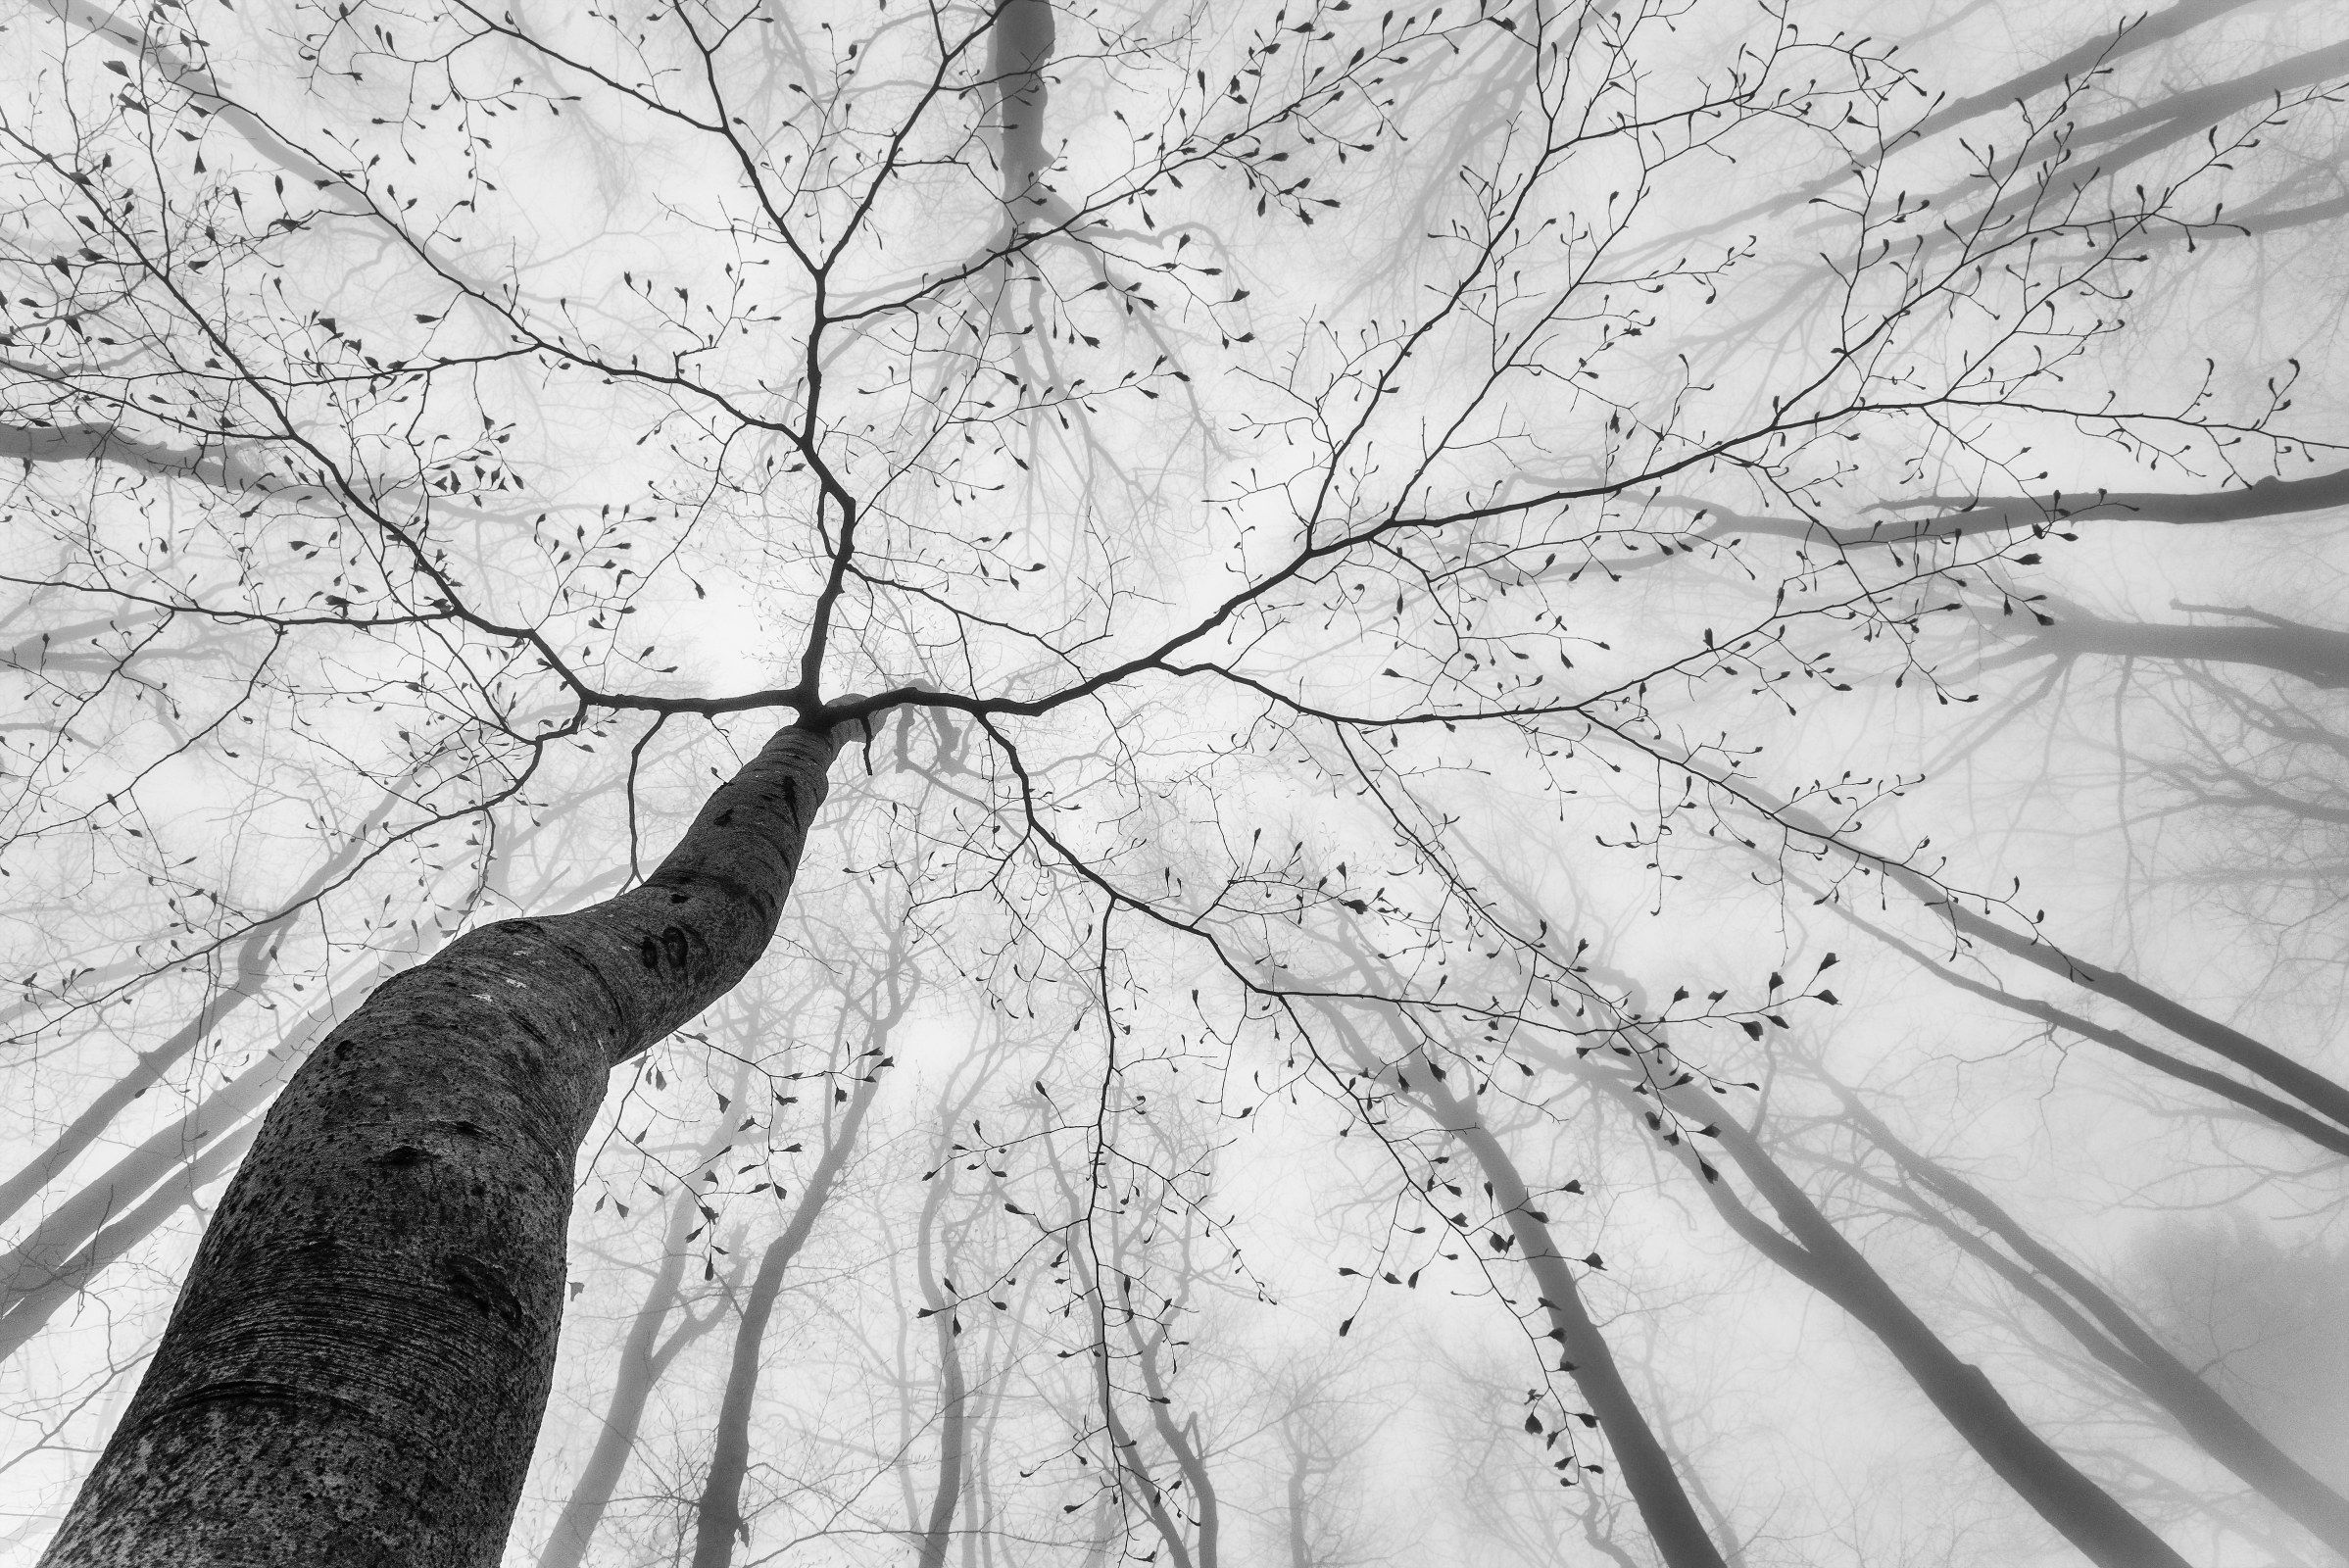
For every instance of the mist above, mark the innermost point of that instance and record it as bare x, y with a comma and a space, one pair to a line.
1535, 783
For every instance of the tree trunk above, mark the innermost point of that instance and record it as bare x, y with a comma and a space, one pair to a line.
2311, 1087
953, 1415
357, 1366
2125, 1346
2285, 1114
1300, 1554
643, 1358
30, 1311
1679, 1535
1182, 1445
2075, 1506
719, 1521
256, 959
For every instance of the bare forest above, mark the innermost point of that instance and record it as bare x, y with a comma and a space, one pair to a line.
1031, 784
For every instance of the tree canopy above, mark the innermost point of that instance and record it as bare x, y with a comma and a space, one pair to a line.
1307, 784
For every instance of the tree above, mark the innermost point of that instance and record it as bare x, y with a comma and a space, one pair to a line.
1163, 527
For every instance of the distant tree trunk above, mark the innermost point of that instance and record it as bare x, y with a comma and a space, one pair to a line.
33, 1264
30, 1311
2311, 1087
718, 1521
1299, 1508
1182, 1442
2281, 1112
953, 1415
2317, 654
358, 1363
1819, 1255
1679, 1535
2124, 1345
255, 956
1019, 47
643, 1358
1126, 1462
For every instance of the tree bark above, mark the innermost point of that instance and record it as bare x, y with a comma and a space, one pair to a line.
357, 1366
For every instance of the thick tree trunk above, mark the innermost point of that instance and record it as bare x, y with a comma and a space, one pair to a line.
1019, 47
719, 1521
358, 1363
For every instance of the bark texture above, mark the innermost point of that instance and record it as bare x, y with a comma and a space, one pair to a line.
357, 1366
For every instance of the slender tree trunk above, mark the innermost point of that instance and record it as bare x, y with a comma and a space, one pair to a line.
2077, 1507
2283, 1113
2124, 1345
29, 1312
1671, 1521
255, 956
1126, 1462
2304, 1083
643, 1358
1679, 1535
30, 1265
1182, 1443
2312, 1088
358, 1363
1300, 1554
953, 1415
718, 1522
